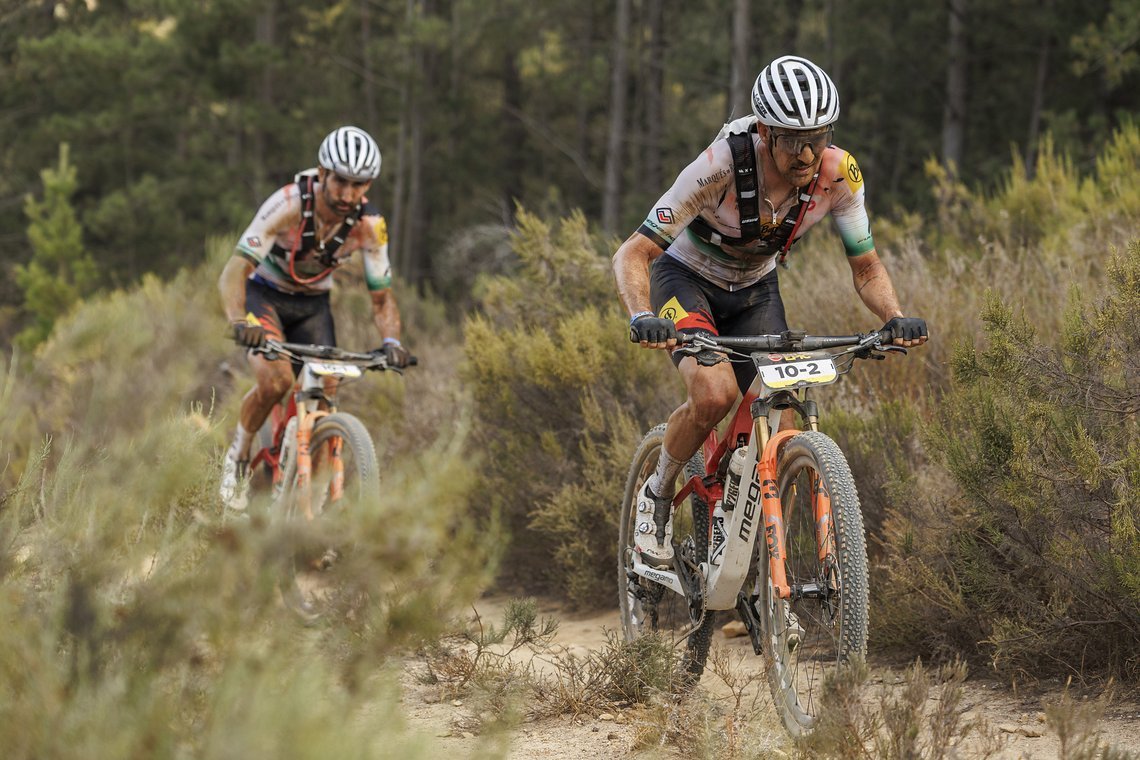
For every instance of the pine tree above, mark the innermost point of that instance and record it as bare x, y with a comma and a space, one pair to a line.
60, 271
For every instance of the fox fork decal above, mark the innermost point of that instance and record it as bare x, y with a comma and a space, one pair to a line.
774, 513
821, 503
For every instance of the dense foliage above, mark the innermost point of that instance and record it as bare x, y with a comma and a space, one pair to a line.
183, 116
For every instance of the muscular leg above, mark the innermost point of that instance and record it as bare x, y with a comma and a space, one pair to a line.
274, 379
711, 393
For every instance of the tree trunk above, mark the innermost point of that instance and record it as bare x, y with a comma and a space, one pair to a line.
1038, 105
611, 199
264, 34
366, 52
740, 87
514, 135
584, 105
654, 95
954, 114
399, 234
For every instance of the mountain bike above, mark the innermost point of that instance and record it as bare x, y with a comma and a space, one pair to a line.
317, 460
802, 590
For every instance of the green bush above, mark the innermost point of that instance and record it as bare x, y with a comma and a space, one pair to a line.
1031, 558
560, 399
137, 622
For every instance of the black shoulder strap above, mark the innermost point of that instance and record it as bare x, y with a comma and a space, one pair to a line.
747, 195
744, 169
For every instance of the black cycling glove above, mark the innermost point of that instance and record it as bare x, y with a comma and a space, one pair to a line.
247, 334
394, 354
645, 326
907, 328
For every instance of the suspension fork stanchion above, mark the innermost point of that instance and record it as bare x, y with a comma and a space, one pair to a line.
821, 504
772, 509
304, 460
336, 486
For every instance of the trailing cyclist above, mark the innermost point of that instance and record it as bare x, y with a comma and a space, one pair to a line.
714, 239
277, 283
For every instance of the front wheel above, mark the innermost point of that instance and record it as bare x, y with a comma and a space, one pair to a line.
811, 637
344, 473
648, 607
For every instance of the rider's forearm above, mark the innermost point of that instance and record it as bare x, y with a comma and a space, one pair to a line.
231, 285
385, 314
631, 270
875, 288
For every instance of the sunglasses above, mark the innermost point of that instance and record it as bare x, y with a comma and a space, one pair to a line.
793, 143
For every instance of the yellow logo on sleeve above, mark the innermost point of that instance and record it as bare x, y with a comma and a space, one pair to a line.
672, 310
850, 172
380, 227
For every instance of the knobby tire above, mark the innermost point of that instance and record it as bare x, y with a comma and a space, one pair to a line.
361, 482
672, 614
835, 628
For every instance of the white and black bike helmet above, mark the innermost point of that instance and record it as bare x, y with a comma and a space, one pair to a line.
793, 92
350, 152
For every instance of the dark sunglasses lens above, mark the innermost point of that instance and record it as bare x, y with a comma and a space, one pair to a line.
795, 144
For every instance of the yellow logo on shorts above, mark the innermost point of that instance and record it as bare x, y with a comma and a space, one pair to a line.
672, 310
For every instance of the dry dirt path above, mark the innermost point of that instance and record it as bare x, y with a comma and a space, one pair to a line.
1017, 717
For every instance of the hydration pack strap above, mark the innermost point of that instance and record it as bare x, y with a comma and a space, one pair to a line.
307, 240
747, 194
801, 212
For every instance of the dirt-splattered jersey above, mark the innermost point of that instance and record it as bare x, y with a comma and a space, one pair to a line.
707, 187
279, 221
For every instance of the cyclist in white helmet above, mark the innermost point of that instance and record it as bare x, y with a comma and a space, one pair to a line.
714, 240
277, 283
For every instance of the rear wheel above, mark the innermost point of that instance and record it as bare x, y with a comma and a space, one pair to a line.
345, 472
648, 607
810, 638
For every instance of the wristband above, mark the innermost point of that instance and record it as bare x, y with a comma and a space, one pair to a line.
639, 315
392, 342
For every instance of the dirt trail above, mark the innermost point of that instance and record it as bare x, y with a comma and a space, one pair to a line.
1018, 718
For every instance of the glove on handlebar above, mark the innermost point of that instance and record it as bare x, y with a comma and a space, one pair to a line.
395, 355
247, 334
651, 329
907, 328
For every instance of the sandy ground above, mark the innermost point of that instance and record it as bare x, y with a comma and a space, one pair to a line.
1017, 718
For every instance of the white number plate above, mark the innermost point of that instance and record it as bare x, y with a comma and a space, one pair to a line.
794, 374
322, 369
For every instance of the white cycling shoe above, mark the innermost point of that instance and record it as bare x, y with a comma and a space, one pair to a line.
234, 488
654, 554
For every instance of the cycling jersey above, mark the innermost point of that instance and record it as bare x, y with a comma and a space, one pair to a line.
706, 187
275, 231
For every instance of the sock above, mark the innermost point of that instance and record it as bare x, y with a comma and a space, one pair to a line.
239, 449
661, 482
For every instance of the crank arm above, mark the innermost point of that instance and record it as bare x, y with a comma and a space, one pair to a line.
751, 620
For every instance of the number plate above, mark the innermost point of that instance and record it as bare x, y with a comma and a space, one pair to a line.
323, 369
817, 370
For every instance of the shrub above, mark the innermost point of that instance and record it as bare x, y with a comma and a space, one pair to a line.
1034, 551
560, 397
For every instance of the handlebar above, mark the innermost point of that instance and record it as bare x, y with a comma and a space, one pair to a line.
273, 349
790, 340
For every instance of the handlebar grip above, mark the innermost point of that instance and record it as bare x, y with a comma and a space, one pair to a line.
413, 361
